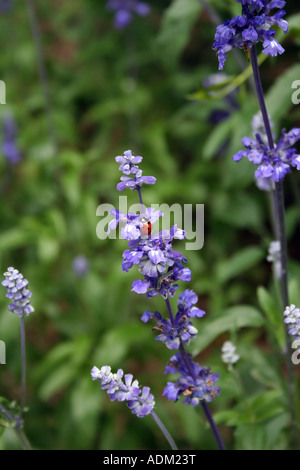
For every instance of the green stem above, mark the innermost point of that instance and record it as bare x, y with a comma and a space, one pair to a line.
278, 198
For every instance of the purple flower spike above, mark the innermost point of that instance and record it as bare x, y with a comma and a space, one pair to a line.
132, 176
17, 292
253, 26
139, 401
273, 164
292, 319
194, 386
161, 267
181, 329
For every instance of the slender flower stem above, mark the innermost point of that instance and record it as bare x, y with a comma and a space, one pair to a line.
278, 202
260, 95
164, 431
140, 198
189, 367
216, 19
186, 360
170, 311
213, 425
23, 365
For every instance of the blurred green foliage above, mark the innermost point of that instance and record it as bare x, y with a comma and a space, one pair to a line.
110, 91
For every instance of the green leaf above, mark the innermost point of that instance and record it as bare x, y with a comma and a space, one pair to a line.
118, 342
239, 263
57, 380
232, 211
273, 314
217, 138
48, 249
264, 367
270, 412
275, 429
177, 23
294, 291
264, 399
234, 318
251, 437
231, 417
226, 87
268, 305
294, 23
85, 399
279, 98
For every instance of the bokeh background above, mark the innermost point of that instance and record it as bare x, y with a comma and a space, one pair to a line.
105, 90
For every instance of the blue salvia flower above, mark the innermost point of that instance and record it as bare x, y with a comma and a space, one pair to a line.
132, 175
292, 319
9, 145
160, 265
193, 385
250, 28
124, 10
139, 401
119, 217
182, 328
153, 254
273, 164
17, 292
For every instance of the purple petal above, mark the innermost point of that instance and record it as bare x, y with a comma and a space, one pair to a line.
140, 286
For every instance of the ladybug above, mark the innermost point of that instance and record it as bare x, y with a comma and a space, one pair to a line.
246, 51
146, 227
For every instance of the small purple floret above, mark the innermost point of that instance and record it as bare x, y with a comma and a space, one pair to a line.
253, 26
123, 388
17, 292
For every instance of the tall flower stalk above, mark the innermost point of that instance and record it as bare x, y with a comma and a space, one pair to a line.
275, 160
162, 268
278, 202
19, 295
